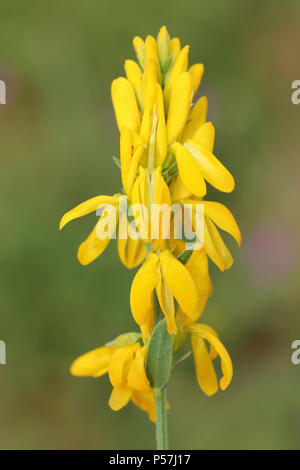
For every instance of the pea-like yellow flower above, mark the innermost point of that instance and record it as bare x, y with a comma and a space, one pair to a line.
215, 214
170, 278
104, 229
205, 371
124, 361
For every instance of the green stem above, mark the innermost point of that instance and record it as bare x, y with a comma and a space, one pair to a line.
160, 397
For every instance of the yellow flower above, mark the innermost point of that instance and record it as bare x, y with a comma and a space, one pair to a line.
206, 375
124, 361
104, 229
170, 278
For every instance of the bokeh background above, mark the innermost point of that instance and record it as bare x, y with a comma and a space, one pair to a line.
57, 139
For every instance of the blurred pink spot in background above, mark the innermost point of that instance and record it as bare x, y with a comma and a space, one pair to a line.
270, 252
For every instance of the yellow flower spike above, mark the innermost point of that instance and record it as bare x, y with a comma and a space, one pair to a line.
211, 168
164, 42
139, 47
223, 218
87, 207
137, 379
179, 106
141, 294
179, 282
205, 379
196, 119
196, 72
190, 173
93, 363
134, 76
205, 136
125, 104
117, 365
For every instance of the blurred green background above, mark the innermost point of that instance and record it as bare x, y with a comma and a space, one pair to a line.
57, 137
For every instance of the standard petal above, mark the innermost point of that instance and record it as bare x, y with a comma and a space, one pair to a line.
119, 398
179, 281
141, 294
205, 135
223, 218
86, 207
189, 170
179, 108
205, 372
211, 168
196, 119
93, 363
125, 104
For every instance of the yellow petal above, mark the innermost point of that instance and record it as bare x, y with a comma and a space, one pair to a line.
178, 190
131, 175
226, 364
198, 268
215, 247
141, 294
161, 132
119, 398
179, 106
179, 281
93, 363
145, 401
139, 47
92, 247
189, 170
166, 302
118, 363
151, 53
137, 379
125, 104
223, 218
87, 207
163, 41
134, 76
196, 72
205, 136
205, 372
131, 251
212, 169
196, 119
175, 47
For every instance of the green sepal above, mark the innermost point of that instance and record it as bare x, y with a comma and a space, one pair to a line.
159, 358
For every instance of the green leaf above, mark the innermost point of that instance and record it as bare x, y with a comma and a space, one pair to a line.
159, 358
